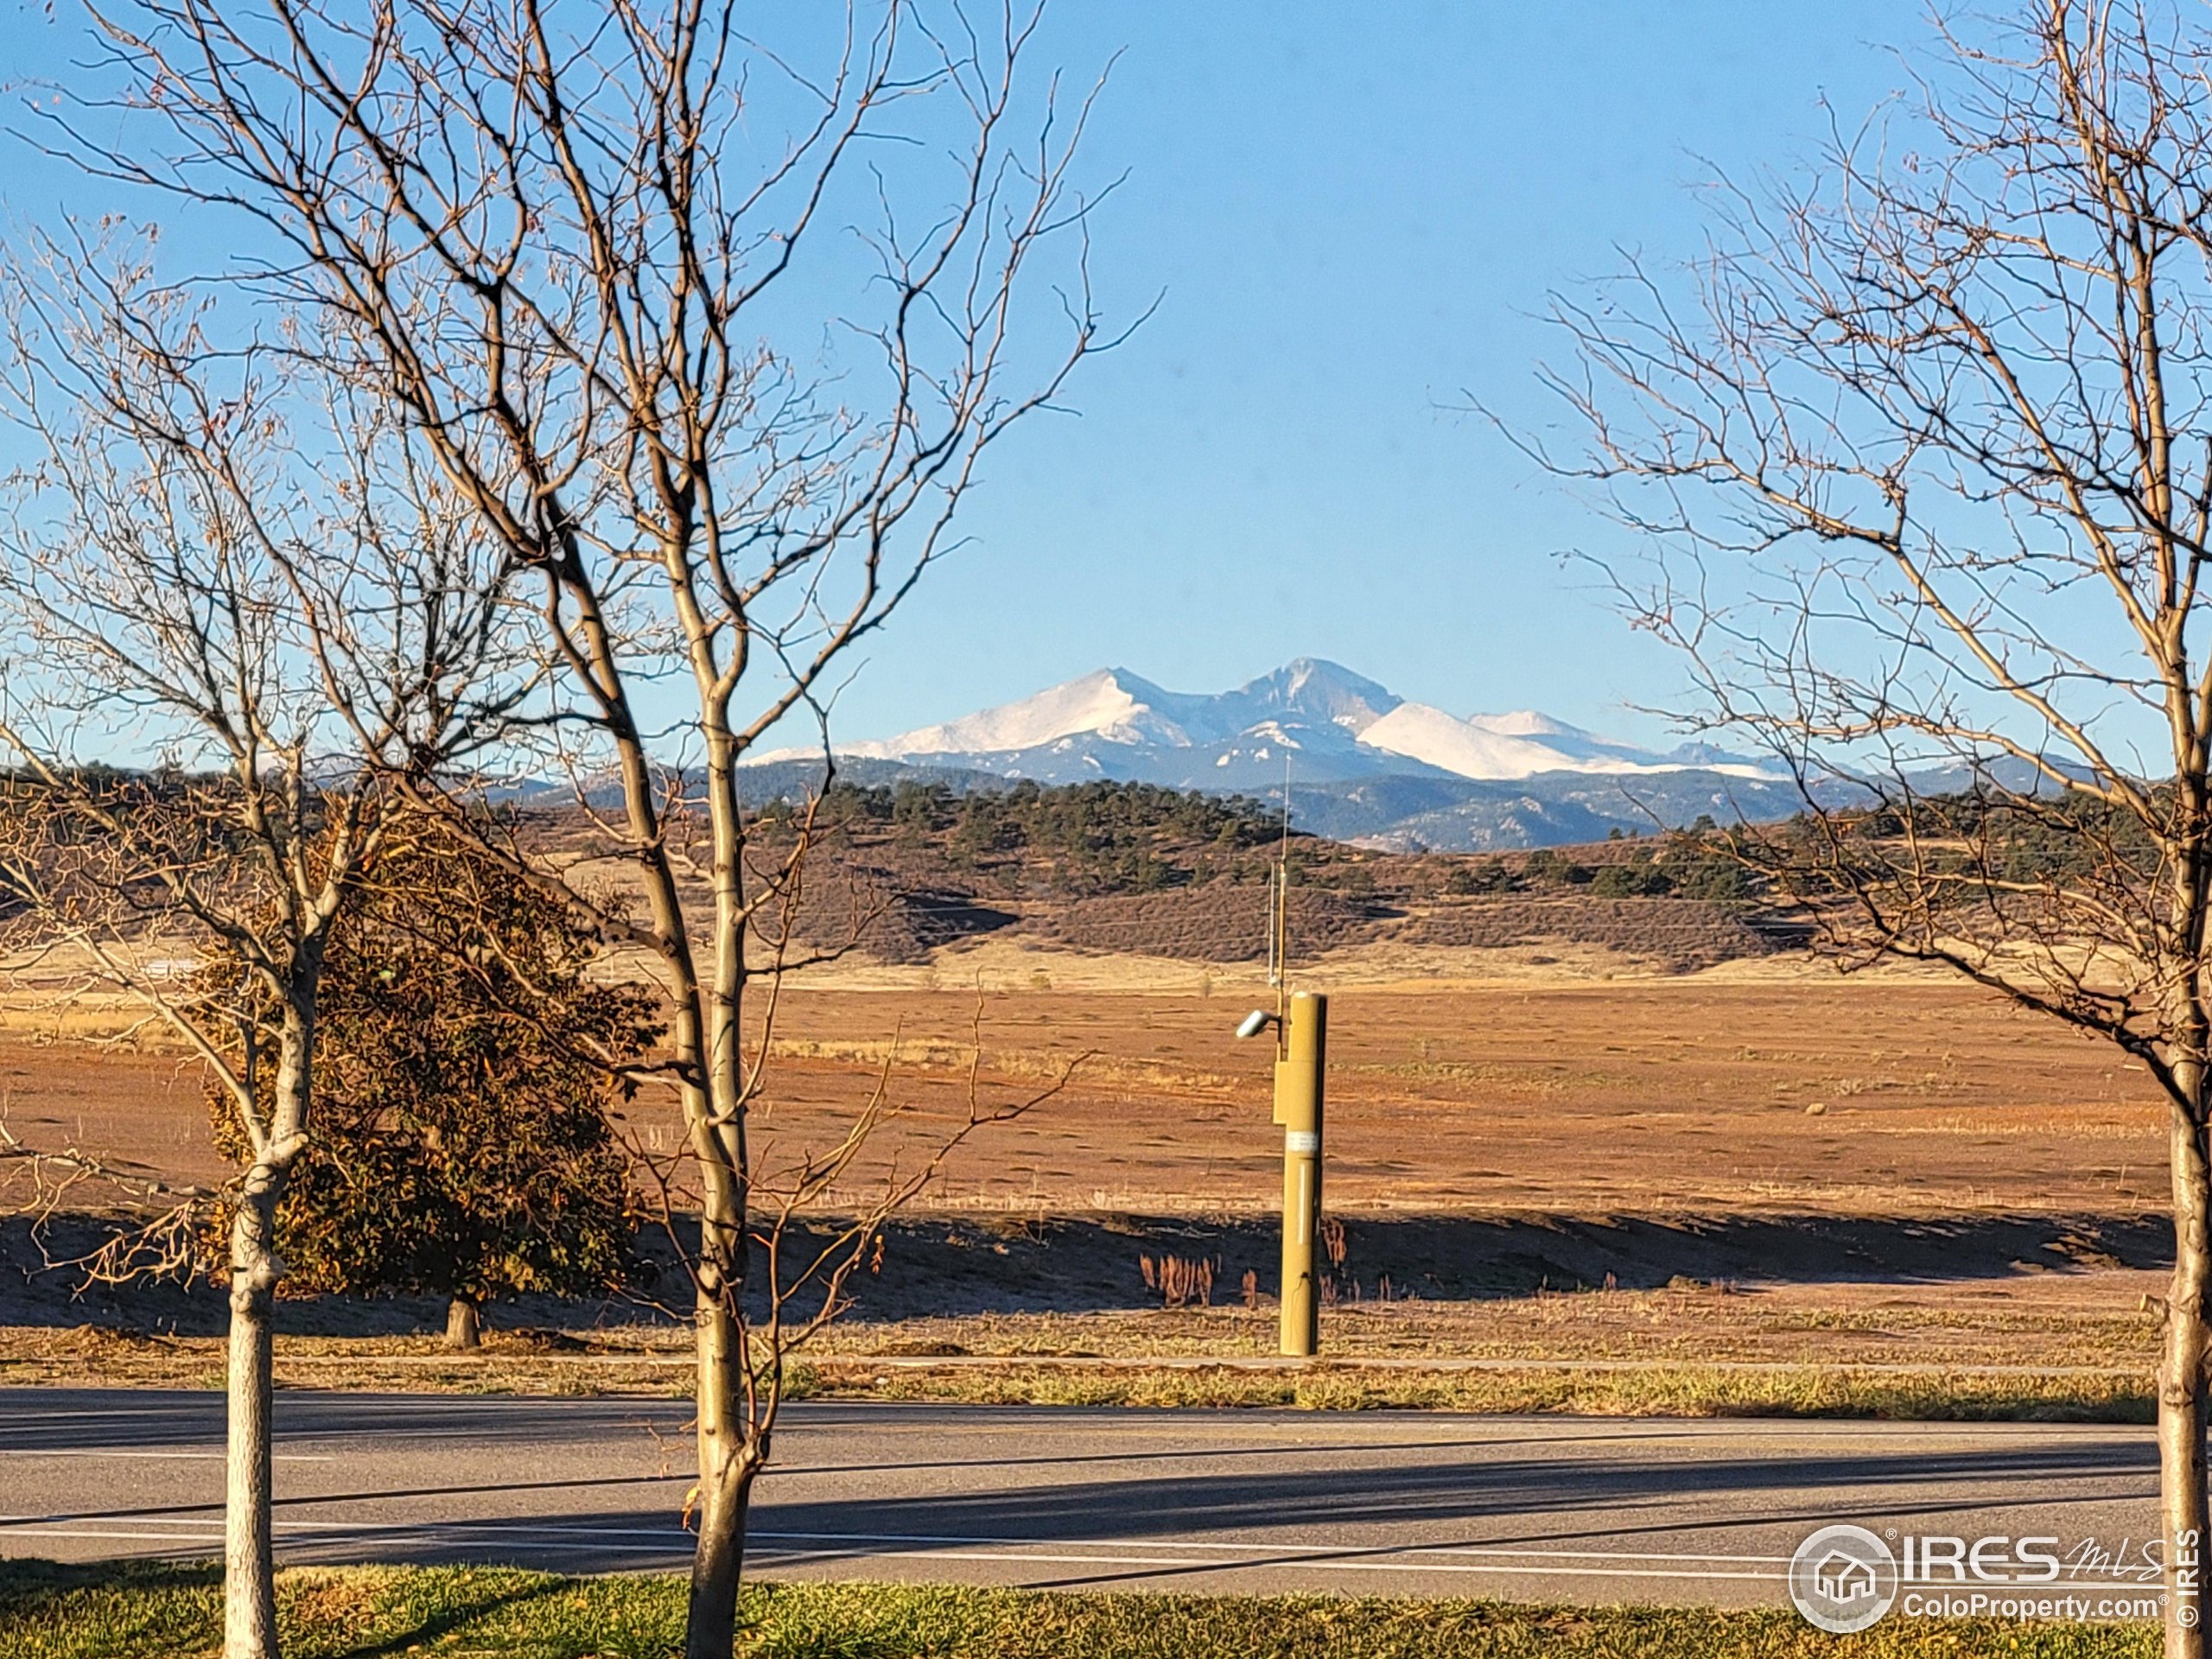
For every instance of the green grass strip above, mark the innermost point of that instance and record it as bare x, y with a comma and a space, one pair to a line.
151, 1612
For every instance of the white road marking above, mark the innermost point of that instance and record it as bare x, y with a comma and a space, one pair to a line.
1344, 1556
1270, 1545
183, 1457
1105, 1553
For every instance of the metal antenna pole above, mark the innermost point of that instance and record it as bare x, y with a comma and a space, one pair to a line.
1279, 921
1301, 1024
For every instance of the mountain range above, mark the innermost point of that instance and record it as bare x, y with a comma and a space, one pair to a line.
1364, 763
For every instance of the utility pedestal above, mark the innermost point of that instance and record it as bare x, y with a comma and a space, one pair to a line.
1302, 1044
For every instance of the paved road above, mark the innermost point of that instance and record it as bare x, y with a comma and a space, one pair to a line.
1567, 1508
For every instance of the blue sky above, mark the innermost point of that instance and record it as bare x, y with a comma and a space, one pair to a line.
1351, 216
1350, 228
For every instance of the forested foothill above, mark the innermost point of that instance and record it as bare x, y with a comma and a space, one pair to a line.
906, 870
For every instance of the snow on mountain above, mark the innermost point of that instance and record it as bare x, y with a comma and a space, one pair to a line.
1335, 727
1521, 745
1472, 748
1318, 690
1112, 702
1525, 722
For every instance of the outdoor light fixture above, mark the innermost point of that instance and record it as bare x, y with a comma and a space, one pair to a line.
1257, 1021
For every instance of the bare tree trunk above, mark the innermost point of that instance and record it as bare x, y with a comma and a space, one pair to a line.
725, 1479
464, 1324
1893, 368
629, 295
248, 1555
727, 1422
248, 1560
201, 565
2181, 1414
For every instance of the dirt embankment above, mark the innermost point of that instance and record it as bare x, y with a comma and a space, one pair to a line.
957, 1267
1086, 1262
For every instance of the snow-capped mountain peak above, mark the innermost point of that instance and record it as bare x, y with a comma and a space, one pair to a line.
1471, 748
1525, 722
1335, 726
1111, 703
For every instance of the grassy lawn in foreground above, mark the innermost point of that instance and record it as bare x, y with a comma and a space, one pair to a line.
56, 1612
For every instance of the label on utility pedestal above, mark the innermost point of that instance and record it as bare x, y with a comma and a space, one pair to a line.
1301, 1140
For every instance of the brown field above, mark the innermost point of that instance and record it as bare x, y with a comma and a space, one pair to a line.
1871, 1097
1885, 1194
1800, 1092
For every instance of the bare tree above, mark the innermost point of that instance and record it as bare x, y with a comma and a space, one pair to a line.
233, 616
713, 345
1922, 453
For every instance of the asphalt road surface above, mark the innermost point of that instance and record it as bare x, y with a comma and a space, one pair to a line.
1372, 1503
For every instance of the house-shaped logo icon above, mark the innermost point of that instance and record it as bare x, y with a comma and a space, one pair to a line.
1843, 1579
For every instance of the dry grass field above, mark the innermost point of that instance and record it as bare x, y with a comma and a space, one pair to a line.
1798, 1094
1796, 1091
1881, 1193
